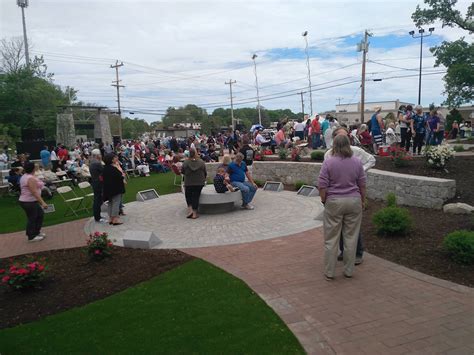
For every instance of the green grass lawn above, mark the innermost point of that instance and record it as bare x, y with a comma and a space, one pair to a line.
14, 219
193, 309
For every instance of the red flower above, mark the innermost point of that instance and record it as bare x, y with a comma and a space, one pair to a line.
32, 266
97, 234
2, 271
97, 252
40, 268
12, 268
23, 271
5, 279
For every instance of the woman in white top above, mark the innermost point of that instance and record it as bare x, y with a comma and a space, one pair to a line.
54, 160
299, 129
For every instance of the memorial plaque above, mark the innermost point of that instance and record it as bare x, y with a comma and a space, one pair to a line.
49, 209
147, 195
273, 186
308, 191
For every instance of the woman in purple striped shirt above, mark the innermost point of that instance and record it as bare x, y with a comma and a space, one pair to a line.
342, 190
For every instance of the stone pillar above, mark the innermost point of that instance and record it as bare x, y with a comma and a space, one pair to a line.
102, 127
65, 131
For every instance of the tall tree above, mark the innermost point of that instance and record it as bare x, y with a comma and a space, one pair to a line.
457, 56
28, 95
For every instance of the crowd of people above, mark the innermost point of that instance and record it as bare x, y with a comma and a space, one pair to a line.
349, 154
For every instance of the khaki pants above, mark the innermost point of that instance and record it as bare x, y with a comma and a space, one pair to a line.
343, 214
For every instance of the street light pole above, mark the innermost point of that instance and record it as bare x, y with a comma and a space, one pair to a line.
258, 94
23, 4
305, 34
421, 31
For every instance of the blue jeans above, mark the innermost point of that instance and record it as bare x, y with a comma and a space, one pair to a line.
247, 189
315, 140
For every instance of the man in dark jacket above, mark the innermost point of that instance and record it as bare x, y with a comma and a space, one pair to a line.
96, 168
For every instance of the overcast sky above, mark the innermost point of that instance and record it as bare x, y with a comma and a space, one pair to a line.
180, 52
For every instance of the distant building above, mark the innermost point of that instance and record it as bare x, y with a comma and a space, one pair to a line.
350, 113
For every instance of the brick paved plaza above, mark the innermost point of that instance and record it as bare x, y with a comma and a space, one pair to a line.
278, 252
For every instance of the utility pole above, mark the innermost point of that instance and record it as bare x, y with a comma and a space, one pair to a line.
258, 93
116, 83
364, 48
24, 4
302, 100
339, 100
231, 101
305, 35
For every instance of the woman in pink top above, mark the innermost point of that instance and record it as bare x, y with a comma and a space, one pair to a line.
31, 201
342, 190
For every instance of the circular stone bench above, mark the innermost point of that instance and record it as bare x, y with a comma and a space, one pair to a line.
212, 202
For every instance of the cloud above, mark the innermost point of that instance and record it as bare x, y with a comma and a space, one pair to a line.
179, 52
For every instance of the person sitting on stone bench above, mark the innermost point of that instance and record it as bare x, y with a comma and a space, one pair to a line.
222, 181
238, 171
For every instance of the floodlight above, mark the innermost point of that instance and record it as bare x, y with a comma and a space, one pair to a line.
411, 33
421, 30
254, 56
305, 33
431, 29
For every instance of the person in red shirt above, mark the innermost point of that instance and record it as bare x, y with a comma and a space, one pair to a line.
63, 156
316, 133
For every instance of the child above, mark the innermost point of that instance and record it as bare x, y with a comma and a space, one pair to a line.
222, 181
390, 135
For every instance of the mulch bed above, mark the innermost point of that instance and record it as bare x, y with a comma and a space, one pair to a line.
421, 249
72, 280
461, 169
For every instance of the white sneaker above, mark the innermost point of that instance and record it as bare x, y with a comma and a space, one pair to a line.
249, 207
102, 220
38, 238
42, 235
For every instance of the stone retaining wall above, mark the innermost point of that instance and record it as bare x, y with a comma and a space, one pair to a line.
411, 190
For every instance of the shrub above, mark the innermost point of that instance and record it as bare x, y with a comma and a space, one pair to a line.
459, 148
298, 185
392, 221
400, 157
391, 200
99, 246
438, 156
259, 183
295, 154
317, 155
283, 153
460, 246
23, 276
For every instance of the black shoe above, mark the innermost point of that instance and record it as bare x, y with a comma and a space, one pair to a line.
340, 257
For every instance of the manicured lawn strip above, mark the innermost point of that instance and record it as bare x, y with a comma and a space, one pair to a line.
14, 219
195, 308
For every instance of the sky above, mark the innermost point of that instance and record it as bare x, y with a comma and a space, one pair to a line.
181, 52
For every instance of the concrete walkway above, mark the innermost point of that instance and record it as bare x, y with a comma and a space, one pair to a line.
384, 309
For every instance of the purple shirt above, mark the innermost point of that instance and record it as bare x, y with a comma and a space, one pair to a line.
433, 122
341, 177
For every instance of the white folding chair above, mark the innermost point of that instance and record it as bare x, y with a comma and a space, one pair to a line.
74, 203
87, 193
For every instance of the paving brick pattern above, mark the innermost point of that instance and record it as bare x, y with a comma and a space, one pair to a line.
384, 309
60, 236
276, 214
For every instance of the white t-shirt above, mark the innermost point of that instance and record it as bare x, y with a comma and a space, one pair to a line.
299, 126
260, 140
367, 160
